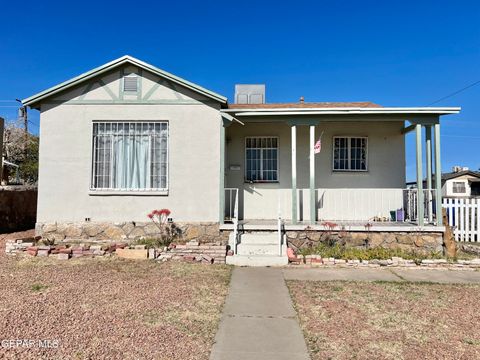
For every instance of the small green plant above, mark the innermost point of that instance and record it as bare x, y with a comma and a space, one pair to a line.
152, 243
167, 229
38, 287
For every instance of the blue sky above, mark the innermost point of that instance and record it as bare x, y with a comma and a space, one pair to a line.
404, 53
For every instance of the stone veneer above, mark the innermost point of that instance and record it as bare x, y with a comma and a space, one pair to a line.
419, 242
93, 231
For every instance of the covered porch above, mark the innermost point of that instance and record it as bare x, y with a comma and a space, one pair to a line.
354, 186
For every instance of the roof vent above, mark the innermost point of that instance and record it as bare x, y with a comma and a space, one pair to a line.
249, 94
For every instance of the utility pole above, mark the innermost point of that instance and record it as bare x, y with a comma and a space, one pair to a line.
22, 114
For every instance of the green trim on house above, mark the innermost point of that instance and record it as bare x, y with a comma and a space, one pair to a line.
420, 202
107, 89
36, 100
222, 173
438, 175
120, 84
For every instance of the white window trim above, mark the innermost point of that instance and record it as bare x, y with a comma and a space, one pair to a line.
349, 137
261, 162
136, 192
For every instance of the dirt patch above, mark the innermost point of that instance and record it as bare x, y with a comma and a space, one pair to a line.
385, 320
110, 308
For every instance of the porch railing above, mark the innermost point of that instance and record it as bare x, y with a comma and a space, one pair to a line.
410, 205
231, 200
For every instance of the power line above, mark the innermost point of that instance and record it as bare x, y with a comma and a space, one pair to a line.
455, 93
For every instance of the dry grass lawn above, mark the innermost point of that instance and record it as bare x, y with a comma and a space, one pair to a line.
384, 320
110, 309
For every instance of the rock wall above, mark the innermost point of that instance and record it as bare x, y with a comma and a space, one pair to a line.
201, 232
18, 208
420, 242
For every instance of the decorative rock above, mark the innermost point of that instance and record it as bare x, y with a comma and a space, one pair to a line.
152, 253
73, 231
132, 253
136, 233
63, 256
47, 228
42, 252
93, 229
140, 247
128, 228
193, 232
114, 233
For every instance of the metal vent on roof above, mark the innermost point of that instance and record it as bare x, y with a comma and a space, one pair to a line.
249, 94
130, 83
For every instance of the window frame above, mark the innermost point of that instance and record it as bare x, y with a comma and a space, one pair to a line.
261, 162
349, 137
124, 191
459, 192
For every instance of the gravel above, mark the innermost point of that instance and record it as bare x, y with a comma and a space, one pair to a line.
108, 308
386, 320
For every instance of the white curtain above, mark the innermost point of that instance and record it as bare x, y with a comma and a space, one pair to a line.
131, 161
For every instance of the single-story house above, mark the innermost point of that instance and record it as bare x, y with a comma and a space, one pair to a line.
128, 137
460, 183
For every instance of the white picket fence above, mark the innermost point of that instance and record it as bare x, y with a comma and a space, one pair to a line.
464, 218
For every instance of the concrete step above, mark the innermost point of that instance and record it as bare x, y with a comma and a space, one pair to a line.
257, 260
264, 237
259, 249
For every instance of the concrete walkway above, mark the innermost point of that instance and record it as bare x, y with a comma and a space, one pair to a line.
425, 275
259, 322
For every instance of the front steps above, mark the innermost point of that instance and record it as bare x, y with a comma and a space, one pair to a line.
258, 249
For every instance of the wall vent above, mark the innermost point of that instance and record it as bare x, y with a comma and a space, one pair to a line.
130, 83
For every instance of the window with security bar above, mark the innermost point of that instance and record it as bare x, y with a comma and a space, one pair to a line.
130, 156
350, 153
261, 159
459, 187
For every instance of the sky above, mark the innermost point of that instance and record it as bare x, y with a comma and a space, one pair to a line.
394, 53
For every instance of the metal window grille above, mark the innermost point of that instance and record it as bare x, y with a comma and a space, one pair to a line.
261, 159
130, 83
350, 153
115, 166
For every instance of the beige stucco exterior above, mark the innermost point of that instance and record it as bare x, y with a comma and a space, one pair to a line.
340, 195
66, 151
447, 187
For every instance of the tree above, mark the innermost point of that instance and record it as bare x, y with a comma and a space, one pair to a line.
21, 150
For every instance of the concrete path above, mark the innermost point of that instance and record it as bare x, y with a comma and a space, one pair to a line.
259, 322
428, 275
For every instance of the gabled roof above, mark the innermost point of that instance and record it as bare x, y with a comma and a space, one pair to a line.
453, 175
35, 100
306, 105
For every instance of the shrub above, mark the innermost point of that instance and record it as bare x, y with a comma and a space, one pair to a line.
167, 230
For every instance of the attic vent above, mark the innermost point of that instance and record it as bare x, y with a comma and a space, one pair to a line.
130, 83
249, 94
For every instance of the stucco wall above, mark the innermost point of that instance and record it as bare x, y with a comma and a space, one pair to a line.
386, 169
448, 186
66, 150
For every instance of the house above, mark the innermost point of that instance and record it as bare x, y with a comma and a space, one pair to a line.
460, 183
127, 137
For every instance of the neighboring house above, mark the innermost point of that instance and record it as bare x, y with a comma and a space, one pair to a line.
460, 183
127, 137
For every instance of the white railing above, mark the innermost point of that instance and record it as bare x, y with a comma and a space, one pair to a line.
235, 223
231, 200
410, 205
464, 217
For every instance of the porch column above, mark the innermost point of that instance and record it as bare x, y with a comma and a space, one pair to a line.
428, 154
294, 174
420, 202
222, 173
438, 176
313, 201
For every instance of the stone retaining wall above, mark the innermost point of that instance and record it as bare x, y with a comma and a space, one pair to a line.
93, 231
18, 208
419, 242
192, 251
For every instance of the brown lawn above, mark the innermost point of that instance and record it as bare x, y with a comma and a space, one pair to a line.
109, 309
361, 320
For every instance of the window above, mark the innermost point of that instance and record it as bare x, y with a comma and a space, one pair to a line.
130, 83
459, 187
130, 156
261, 159
350, 153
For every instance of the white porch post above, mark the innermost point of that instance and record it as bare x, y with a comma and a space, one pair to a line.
222, 173
420, 202
313, 202
428, 154
438, 176
294, 174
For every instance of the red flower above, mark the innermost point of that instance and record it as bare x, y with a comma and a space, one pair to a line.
150, 215
165, 212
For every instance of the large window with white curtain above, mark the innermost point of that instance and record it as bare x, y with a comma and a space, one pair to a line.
130, 156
